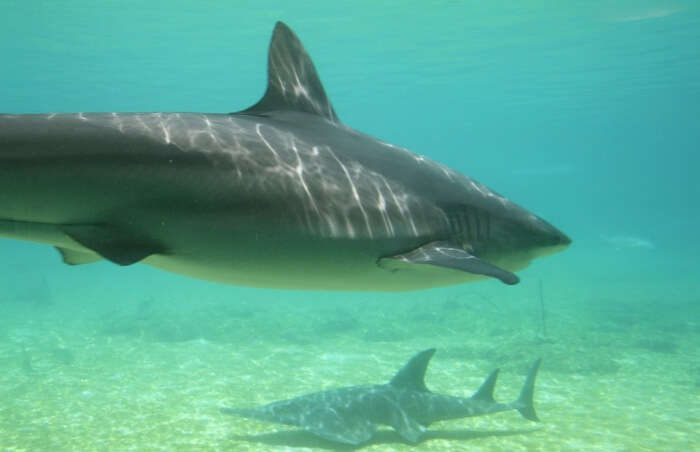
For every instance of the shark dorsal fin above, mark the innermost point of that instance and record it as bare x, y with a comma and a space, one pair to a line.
293, 83
412, 374
485, 392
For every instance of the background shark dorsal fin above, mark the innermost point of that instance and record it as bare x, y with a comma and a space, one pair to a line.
485, 392
412, 374
293, 83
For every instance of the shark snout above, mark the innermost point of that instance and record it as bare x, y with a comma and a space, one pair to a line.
564, 239
547, 239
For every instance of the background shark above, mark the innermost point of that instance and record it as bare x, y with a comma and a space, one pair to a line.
281, 195
351, 415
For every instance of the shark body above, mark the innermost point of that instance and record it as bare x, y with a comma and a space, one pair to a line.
280, 195
351, 415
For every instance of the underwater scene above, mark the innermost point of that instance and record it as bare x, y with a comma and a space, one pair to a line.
199, 251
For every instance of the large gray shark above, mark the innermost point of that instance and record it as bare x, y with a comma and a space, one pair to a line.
351, 415
281, 194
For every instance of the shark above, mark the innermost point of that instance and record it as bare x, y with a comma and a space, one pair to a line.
352, 414
279, 195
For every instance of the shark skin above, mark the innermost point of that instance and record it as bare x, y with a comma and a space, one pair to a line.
280, 195
352, 414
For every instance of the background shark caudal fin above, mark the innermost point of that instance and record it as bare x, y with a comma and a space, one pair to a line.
293, 83
412, 374
485, 392
524, 404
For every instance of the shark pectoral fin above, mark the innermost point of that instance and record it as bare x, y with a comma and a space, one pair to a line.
112, 243
445, 254
407, 427
73, 257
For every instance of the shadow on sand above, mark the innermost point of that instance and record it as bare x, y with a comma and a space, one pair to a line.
300, 438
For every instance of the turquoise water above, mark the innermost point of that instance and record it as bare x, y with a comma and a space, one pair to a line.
583, 112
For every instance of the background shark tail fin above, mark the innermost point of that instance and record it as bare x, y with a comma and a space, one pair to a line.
485, 392
524, 404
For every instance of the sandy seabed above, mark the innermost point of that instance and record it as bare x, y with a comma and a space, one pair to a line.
616, 375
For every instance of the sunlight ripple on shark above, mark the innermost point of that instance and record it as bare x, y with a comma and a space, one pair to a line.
280, 195
351, 415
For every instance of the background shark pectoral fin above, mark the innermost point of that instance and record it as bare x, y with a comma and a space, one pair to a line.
407, 427
112, 243
337, 426
447, 255
74, 257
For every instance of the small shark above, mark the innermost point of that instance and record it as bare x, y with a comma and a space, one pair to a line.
351, 415
281, 195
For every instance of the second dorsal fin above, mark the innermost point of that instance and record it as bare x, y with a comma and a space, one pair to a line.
293, 83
